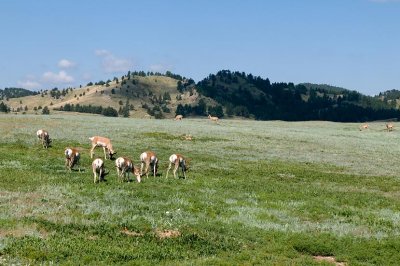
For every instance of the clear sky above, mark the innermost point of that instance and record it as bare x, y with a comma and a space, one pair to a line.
353, 44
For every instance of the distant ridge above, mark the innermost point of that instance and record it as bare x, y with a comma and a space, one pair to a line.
224, 94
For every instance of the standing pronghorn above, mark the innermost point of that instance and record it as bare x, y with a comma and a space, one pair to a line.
364, 126
72, 157
105, 143
177, 160
150, 159
213, 118
124, 167
98, 169
44, 137
179, 117
389, 126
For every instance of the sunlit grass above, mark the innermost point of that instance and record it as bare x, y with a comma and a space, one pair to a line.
257, 192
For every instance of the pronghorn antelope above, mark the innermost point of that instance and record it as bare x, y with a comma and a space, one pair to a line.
124, 167
72, 157
187, 137
98, 169
179, 117
213, 118
389, 126
105, 143
150, 159
177, 160
44, 137
364, 126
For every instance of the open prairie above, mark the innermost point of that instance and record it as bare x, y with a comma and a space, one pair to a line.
257, 193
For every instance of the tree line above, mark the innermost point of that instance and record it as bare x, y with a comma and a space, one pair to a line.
92, 109
246, 95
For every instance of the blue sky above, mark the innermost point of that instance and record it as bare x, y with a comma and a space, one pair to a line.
353, 44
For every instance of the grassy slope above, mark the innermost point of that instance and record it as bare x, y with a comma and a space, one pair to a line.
158, 85
258, 192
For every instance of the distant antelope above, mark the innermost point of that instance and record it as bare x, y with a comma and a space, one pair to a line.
105, 143
124, 167
98, 169
187, 137
150, 159
179, 117
177, 160
213, 118
72, 157
364, 126
44, 137
389, 126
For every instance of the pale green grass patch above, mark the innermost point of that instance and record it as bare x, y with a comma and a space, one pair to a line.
258, 192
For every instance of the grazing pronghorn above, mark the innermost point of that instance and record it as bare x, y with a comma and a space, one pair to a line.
105, 143
179, 117
213, 118
364, 126
44, 137
187, 137
389, 126
177, 160
72, 157
124, 167
98, 169
150, 159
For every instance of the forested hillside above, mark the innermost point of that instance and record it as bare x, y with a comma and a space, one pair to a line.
246, 95
15, 93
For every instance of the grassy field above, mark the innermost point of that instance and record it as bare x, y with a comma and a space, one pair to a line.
257, 193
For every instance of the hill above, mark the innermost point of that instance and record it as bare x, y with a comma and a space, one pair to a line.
136, 95
226, 93
246, 95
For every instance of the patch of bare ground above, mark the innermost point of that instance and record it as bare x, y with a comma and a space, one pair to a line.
92, 237
167, 233
329, 259
21, 231
127, 232
161, 234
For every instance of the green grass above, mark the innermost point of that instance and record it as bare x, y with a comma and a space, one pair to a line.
257, 193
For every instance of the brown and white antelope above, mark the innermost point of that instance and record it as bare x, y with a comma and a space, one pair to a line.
177, 160
364, 126
150, 159
98, 169
187, 137
44, 137
389, 126
103, 142
179, 117
124, 167
72, 157
213, 118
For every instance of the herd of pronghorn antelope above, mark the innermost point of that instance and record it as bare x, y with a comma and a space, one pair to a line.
389, 126
124, 165
212, 118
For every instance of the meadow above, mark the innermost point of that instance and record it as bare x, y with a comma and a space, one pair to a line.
257, 192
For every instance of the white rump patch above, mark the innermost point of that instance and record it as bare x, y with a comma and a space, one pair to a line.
143, 156
68, 152
173, 158
119, 162
98, 163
